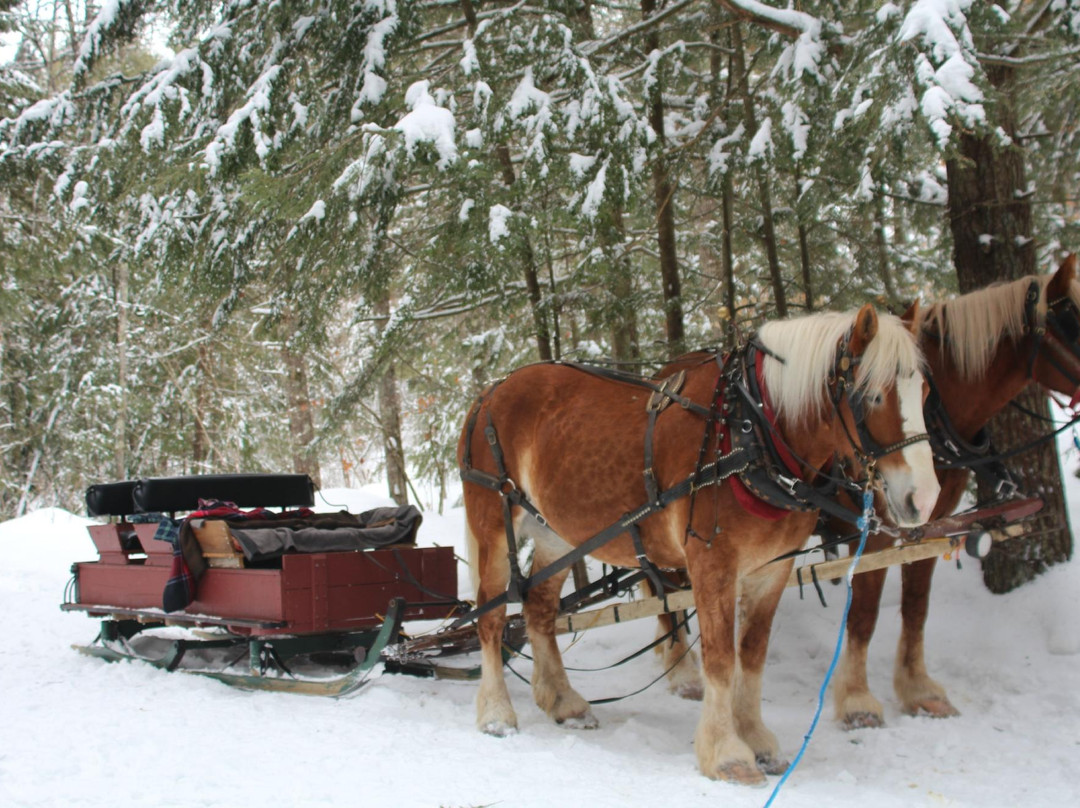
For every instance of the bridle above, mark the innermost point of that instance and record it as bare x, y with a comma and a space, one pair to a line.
1056, 334
868, 450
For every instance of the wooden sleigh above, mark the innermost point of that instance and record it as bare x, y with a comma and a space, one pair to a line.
330, 612
318, 623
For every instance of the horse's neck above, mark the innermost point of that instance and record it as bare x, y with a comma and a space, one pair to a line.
970, 402
804, 440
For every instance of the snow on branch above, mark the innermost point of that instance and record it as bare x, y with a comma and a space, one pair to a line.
113, 16
427, 122
946, 65
373, 87
257, 103
806, 54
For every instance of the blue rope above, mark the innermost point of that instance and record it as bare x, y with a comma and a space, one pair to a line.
864, 528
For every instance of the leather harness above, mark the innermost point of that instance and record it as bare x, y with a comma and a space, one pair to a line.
756, 457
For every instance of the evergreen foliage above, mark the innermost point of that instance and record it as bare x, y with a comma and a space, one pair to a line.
299, 196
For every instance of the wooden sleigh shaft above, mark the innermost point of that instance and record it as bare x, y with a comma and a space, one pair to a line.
822, 571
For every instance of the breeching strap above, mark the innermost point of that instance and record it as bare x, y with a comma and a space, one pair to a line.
711, 474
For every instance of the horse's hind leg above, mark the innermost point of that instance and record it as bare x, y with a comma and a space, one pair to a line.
918, 693
680, 662
759, 597
494, 712
550, 685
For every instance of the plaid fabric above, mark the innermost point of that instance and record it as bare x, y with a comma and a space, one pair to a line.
180, 588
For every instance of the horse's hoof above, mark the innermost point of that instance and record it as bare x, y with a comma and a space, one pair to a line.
498, 729
584, 721
742, 774
862, 720
691, 691
772, 765
934, 706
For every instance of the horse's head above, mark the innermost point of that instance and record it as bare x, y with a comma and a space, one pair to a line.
853, 385
879, 390
1053, 325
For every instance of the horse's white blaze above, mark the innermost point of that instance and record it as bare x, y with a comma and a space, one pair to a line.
919, 480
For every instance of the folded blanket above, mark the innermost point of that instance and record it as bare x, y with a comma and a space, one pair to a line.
327, 533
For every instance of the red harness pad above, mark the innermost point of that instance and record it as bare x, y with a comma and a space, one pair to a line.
743, 495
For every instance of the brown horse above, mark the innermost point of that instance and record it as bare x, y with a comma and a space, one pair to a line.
554, 453
982, 349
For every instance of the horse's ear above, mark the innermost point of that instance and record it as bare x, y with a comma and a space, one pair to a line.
866, 326
1063, 278
911, 315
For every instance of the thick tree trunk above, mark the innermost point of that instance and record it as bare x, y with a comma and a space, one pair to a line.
990, 217
664, 196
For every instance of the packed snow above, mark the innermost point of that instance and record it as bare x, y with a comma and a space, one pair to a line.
78, 731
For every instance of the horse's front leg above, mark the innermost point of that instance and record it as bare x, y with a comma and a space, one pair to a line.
856, 706
918, 693
551, 687
759, 596
721, 753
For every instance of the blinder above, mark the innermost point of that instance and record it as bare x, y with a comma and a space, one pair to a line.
867, 448
1055, 332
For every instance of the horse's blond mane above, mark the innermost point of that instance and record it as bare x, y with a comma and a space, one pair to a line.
808, 348
973, 325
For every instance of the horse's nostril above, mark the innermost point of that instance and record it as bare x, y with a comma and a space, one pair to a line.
909, 503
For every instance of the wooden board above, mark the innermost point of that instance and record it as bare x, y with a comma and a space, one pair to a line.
217, 544
824, 571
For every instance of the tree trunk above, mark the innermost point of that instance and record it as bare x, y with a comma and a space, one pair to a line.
120, 425
532, 279
804, 244
201, 448
301, 417
768, 230
390, 421
882, 249
990, 218
624, 336
664, 196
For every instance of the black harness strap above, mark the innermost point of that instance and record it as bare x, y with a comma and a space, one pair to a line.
952, 451
712, 474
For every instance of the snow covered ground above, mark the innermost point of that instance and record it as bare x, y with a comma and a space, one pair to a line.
77, 731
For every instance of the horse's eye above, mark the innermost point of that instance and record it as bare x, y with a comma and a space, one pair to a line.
876, 400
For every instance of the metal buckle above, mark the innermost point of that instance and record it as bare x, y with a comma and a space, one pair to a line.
788, 483
1006, 489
